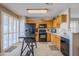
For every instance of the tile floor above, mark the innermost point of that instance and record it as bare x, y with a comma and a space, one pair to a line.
42, 49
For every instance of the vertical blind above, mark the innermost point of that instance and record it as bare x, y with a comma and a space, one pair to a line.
74, 26
10, 26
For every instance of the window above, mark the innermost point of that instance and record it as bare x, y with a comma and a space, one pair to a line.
74, 25
10, 26
17, 29
22, 28
5, 42
15, 25
5, 25
11, 23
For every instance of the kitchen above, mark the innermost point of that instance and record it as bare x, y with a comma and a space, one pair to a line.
52, 29
52, 26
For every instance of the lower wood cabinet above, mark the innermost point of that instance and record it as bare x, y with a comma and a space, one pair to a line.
56, 40
37, 36
48, 37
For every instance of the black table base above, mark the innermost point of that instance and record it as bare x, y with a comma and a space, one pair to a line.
28, 42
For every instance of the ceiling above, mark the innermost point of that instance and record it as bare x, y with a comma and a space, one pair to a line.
53, 9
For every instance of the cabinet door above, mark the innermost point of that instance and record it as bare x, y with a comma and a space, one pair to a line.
48, 37
55, 23
52, 38
58, 42
64, 18
49, 24
37, 36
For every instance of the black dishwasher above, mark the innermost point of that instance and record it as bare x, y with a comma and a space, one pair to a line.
65, 46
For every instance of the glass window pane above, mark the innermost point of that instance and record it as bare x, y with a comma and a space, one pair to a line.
5, 42
15, 38
5, 24
10, 39
10, 24
15, 25
17, 29
22, 28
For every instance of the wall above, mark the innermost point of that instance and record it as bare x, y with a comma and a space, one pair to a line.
75, 44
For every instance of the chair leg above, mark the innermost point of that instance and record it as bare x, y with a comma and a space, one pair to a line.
32, 50
22, 48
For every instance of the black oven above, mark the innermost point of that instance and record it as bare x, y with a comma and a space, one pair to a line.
42, 33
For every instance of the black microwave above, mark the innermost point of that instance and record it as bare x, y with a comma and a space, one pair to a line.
53, 30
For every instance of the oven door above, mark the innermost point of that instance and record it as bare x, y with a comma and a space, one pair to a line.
43, 37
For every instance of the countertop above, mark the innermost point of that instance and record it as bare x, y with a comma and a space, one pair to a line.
67, 36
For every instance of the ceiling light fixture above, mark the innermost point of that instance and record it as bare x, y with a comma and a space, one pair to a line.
37, 10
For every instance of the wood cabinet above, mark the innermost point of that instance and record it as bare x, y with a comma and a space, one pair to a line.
54, 23
56, 40
37, 36
58, 20
49, 23
63, 18
48, 37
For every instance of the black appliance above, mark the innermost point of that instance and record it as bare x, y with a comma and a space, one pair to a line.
53, 30
65, 46
42, 33
30, 29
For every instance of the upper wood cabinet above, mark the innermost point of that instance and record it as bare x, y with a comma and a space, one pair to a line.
55, 23
63, 18
49, 24
58, 20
